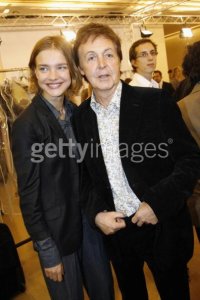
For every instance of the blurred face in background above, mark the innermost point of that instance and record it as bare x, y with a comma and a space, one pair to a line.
157, 77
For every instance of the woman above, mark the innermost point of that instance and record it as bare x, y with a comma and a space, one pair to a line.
190, 109
45, 156
177, 77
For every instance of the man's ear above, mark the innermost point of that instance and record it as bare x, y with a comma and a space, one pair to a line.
81, 71
133, 63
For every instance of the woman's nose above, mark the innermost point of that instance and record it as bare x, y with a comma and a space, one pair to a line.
52, 74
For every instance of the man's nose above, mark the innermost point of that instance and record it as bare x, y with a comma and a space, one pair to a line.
101, 62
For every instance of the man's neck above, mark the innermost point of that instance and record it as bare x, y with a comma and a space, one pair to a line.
148, 76
104, 97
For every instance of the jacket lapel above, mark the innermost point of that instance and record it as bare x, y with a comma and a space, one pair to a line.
51, 119
91, 128
130, 114
92, 134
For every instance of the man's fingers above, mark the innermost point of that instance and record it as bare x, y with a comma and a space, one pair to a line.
137, 221
134, 219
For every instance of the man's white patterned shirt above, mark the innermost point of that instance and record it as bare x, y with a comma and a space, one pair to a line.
108, 124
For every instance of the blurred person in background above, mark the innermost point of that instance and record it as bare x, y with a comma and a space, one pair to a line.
190, 109
176, 77
166, 86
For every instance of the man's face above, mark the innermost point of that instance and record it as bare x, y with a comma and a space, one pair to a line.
145, 65
157, 77
100, 64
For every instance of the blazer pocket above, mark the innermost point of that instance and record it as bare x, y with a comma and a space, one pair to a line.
52, 213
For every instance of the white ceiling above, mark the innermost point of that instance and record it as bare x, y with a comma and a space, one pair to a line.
49, 13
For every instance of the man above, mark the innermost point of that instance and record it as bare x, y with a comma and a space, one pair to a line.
166, 86
143, 55
140, 165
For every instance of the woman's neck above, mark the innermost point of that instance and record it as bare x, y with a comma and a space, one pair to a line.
57, 102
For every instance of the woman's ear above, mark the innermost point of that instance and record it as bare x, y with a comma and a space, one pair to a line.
81, 71
35, 72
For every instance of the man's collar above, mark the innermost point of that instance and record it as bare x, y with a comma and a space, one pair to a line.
145, 81
115, 101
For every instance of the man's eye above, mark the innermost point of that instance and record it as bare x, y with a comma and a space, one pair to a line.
91, 58
109, 55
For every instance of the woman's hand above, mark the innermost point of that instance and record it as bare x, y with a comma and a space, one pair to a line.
55, 273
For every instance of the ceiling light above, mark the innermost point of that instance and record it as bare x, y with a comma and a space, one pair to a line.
186, 32
145, 33
70, 35
6, 11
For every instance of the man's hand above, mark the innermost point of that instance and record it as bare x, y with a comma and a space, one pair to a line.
145, 214
110, 222
55, 273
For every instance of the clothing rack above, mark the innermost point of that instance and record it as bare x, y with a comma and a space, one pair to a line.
13, 70
1, 203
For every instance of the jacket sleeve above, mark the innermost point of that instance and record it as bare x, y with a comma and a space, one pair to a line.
25, 140
91, 203
169, 195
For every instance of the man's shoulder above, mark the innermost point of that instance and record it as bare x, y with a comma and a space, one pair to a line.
83, 107
141, 92
166, 83
150, 98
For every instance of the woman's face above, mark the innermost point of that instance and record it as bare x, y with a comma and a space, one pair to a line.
52, 73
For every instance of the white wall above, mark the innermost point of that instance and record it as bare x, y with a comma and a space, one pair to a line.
129, 34
16, 48
177, 47
17, 45
158, 38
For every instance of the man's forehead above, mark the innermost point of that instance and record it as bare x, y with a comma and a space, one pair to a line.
145, 46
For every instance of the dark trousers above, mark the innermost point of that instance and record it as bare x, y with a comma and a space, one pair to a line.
96, 268
70, 288
129, 249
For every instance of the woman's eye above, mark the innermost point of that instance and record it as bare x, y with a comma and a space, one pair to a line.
64, 67
43, 69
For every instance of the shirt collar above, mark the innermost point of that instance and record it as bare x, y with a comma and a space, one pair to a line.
145, 82
115, 101
160, 84
56, 113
